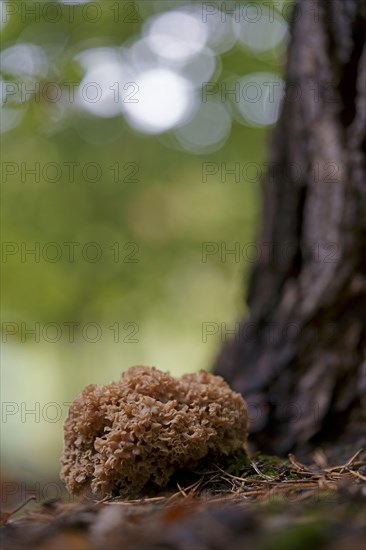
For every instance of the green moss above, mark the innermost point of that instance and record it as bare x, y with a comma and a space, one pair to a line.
269, 465
298, 537
237, 463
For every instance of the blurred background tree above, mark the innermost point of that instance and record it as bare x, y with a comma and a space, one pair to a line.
301, 365
133, 134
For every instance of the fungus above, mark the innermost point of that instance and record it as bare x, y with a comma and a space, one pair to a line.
121, 437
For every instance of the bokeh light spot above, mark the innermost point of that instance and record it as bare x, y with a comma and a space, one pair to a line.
208, 130
176, 35
163, 99
24, 59
260, 99
260, 29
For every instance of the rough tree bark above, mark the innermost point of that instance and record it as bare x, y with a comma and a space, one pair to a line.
300, 355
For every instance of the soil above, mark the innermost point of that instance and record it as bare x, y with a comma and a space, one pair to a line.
262, 503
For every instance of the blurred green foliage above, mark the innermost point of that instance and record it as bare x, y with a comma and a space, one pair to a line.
164, 209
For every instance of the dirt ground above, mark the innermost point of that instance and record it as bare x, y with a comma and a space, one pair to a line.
262, 503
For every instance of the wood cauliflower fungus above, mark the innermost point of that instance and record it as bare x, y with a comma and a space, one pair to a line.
140, 430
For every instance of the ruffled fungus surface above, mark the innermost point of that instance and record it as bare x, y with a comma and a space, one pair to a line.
141, 429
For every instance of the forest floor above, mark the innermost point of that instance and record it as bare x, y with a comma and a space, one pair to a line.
262, 503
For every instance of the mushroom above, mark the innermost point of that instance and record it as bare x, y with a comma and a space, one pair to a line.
122, 437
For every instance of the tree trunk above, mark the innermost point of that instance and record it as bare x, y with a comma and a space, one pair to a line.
300, 356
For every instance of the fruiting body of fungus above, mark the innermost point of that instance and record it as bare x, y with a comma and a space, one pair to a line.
141, 429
